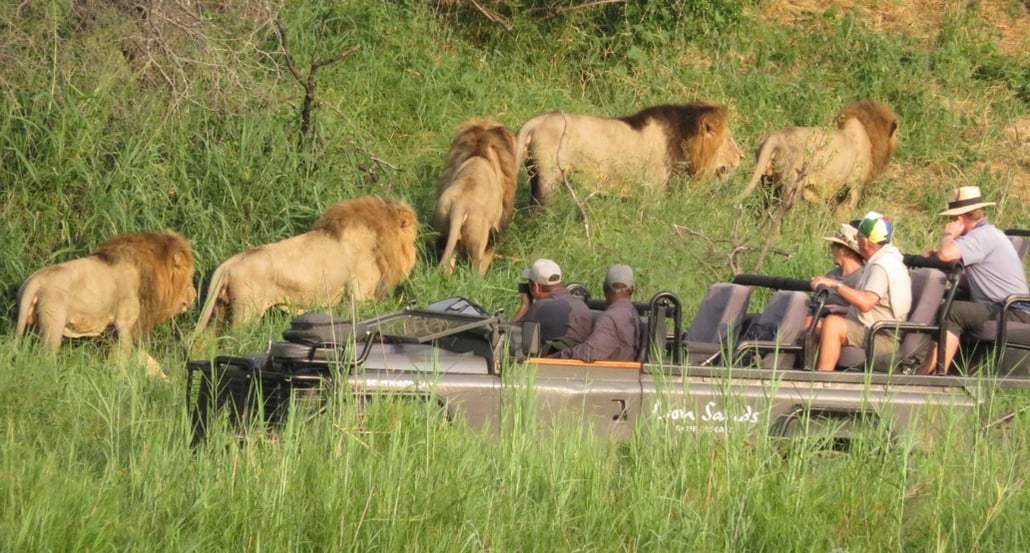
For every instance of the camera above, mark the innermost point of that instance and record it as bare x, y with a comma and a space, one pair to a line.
524, 288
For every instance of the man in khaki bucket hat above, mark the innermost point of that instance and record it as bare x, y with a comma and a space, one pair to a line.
993, 271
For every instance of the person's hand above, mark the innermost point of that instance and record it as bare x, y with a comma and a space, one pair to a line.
954, 228
525, 300
822, 282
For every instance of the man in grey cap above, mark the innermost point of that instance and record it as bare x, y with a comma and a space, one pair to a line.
993, 271
564, 319
616, 332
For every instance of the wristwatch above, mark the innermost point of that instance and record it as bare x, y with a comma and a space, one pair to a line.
839, 284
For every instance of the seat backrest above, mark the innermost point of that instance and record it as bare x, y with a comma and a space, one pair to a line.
1020, 244
786, 312
928, 289
643, 341
720, 315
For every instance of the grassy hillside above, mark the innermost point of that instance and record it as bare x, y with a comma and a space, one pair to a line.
133, 115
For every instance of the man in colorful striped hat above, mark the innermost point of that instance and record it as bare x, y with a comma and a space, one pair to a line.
883, 294
993, 271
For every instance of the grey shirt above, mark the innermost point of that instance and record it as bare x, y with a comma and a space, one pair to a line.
851, 280
993, 268
560, 315
615, 336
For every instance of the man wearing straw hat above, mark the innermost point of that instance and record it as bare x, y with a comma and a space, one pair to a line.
993, 271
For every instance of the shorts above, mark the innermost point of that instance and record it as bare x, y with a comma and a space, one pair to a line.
967, 316
884, 342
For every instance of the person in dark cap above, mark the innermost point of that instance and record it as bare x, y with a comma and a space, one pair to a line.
993, 271
883, 294
564, 319
616, 333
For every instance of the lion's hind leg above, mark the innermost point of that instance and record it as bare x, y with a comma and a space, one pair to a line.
50, 325
479, 244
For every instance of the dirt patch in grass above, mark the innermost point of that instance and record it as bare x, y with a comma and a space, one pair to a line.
918, 18
1011, 158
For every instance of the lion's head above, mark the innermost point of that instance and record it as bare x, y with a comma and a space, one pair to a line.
699, 137
165, 264
881, 124
394, 223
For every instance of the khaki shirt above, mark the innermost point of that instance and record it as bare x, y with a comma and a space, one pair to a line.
885, 275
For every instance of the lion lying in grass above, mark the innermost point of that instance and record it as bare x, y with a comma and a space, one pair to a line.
131, 282
619, 155
476, 193
828, 164
358, 249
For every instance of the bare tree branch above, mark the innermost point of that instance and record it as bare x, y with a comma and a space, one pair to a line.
562, 11
493, 16
309, 83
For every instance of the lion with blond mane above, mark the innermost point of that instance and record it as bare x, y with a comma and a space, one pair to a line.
618, 155
476, 193
828, 164
358, 249
132, 282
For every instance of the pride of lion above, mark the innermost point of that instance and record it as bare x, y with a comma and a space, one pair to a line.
361, 248
828, 164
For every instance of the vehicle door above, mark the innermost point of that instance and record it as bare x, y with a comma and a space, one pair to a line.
600, 399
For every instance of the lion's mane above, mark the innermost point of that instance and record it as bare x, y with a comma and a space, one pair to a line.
881, 124
393, 222
165, 262
687, 130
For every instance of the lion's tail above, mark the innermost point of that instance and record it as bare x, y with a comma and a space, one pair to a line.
762, 161
219, 281
457, 217
26, 307
522, 141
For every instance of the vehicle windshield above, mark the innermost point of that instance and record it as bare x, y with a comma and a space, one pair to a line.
425, 326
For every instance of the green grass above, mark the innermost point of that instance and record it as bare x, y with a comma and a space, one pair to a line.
99, 135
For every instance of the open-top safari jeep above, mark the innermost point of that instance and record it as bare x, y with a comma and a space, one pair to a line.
705, 376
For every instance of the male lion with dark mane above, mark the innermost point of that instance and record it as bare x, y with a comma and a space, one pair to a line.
619, 154
476, 193
131, 282
825, 164
358, 249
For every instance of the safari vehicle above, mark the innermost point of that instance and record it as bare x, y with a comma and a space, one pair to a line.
707, 377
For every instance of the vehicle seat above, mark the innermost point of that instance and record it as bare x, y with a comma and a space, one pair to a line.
643, 341
1006, 342
1020, 244
783, 316
922, 327
717, 323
